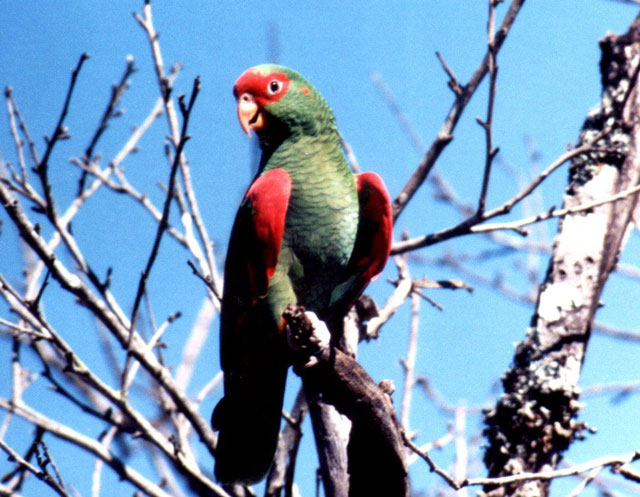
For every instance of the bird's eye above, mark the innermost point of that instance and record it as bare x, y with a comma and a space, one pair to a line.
274, 87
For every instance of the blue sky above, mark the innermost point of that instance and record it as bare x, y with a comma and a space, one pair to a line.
548, 80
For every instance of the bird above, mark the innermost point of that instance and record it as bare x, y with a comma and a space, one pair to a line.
308, 232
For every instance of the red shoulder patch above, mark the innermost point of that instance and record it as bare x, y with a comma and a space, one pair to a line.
269, 198
375, 231
372, 245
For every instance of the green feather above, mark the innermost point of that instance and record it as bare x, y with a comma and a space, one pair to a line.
321, 223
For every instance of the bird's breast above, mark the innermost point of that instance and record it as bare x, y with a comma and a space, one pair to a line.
320, 232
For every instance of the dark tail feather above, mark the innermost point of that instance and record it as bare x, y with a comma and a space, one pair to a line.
248, 418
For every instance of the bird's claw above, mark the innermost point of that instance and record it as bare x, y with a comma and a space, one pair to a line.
307, 336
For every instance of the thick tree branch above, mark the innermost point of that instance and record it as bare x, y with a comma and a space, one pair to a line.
376, 455
534, 421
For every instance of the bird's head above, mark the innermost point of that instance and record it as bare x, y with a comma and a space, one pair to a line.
276, 100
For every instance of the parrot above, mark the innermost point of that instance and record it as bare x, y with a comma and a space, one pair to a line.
309, 233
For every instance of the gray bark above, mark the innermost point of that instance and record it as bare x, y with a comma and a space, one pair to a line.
331, 432
370, 457
535, 420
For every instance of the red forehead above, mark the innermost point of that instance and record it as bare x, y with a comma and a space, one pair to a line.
254, 82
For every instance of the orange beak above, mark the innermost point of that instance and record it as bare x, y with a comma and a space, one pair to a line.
250, 114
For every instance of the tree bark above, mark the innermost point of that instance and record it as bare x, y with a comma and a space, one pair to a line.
375, 451
374, 459
331, 433
535, 420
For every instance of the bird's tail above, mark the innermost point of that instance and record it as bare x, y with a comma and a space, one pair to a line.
248, 418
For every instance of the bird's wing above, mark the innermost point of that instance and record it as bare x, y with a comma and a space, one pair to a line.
248, 416
373, 241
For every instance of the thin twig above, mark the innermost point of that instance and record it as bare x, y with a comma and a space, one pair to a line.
209, 268
593, 474
442, 404
515, 225
605, 461
351, 156
432, 466
487, 125
151, 345
23, 128
445, 135
14, 132
408, 364
462, 450
466, 226
110, 112
164, 221
619, 391
59, 133
90, 445
45, 461
97, 468
609, 330
71, 283
195, 343
453, 83
438, 443
204, 391
397, 112
38, 473
395, 301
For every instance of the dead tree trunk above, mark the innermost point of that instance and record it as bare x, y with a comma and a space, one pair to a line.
534, 422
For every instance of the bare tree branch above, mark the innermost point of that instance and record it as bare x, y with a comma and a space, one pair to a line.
59, 133
375, 453
88, 444
146, 22
110, 112
164, 221
409, 363
488, 123
473, 223
445, 135
41, 474
71, 283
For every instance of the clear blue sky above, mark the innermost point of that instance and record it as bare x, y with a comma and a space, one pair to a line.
547, 82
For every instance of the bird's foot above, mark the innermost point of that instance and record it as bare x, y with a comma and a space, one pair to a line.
308, 337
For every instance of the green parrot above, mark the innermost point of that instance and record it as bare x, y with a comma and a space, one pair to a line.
309, 233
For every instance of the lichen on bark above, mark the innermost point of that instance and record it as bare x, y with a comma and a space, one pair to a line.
535, 420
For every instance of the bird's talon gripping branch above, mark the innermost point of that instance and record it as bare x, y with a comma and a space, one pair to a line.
307, 336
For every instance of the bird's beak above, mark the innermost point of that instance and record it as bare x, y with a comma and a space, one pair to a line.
250, 114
